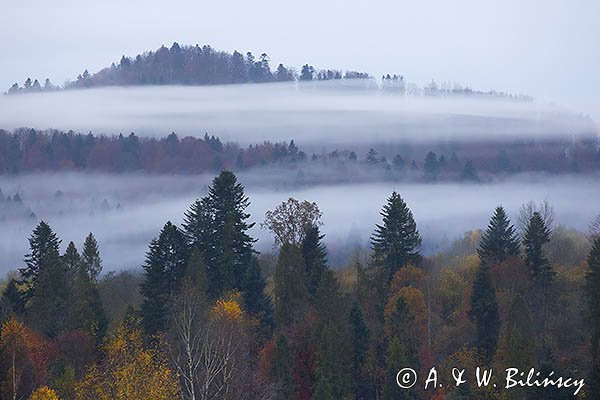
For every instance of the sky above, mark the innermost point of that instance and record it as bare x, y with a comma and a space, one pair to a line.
549, 49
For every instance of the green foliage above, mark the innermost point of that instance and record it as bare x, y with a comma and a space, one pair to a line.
484, 312
282, 366
46, 281
397, 241
291, 294
395, 361
90, 257
164, 269
499, 241
536, 235
360, 337
333, 361
315, 257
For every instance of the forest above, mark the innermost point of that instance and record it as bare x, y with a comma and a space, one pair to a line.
29, 150
208, 317
203, 65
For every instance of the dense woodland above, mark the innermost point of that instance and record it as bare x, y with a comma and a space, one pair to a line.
210, 318
196, 65
30, 150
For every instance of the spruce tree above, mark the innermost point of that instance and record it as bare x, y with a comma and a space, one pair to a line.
536, 235
397, 241
290, 292
12, 298
315, 257
46, 280
164, 269
90, 256
218, 225
592, 288
484, 312
499, 241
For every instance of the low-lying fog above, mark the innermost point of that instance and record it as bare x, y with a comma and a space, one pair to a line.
126, 211
314, 112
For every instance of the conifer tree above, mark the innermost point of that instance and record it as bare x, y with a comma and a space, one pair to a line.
218, 225
13, 298
290, 293
315, 257
47, 282
397, 241
484, 312
499, 241
536, 235
86, 310
90, 257
592, 288
164, 269
255, 299
520, 335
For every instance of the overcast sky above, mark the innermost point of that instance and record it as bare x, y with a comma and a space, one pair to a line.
546, 48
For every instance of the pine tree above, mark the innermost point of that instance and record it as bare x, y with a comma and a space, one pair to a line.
484, 312
536, 235
396, 243
71, 260
290, 290
499, 241
164, 269
315, 257
90, 257
592, 288
47, 284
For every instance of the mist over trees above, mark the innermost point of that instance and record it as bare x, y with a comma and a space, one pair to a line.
213, 318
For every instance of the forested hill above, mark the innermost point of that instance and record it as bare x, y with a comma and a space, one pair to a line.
190, 65
203, 65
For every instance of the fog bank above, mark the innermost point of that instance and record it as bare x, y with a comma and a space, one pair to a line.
333, 112
126, 211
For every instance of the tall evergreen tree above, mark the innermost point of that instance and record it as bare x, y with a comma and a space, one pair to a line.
499, 241
90, 257
536, 235
484, 312
290, 292
218, 225
164, 269
46, 280
315, 257
397, 241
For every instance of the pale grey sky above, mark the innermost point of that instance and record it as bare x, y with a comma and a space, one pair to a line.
549, 49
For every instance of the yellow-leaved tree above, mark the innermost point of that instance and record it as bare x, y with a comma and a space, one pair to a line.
129, 371
44, 393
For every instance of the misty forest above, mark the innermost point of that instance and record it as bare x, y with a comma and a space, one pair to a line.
189, 223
